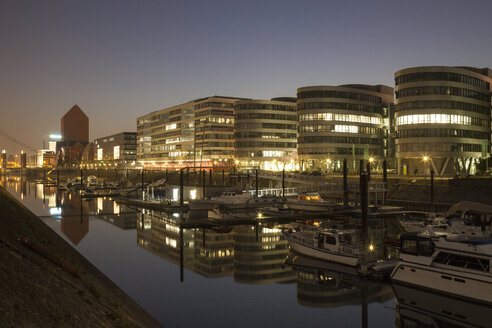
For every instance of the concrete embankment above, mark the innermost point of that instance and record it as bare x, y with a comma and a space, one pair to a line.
44, 282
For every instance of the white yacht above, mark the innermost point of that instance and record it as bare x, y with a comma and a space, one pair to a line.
340, 246
416, 307
311, 201
451, 263
231, 199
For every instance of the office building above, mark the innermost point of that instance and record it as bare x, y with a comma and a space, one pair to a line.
442, 119
265, 133
120, 148
199, 133
342, 122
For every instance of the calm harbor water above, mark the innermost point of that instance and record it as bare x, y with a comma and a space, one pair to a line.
229, 276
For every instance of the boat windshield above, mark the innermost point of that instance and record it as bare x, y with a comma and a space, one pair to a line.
416, 245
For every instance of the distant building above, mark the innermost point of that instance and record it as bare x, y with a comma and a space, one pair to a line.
117, 148
265, 133
75, 125
342, 122
46, 158
197, 133
442, 119
74, 147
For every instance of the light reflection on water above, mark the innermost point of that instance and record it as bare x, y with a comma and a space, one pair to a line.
221, 276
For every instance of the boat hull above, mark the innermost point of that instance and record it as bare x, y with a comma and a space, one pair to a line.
467, 285
309, 250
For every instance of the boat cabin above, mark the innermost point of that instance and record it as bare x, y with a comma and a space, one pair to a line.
422, 249
311, 197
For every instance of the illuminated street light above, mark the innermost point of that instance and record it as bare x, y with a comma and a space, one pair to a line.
371, 159
425, 158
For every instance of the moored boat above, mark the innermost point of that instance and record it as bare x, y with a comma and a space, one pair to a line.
334, 245
450, 263
309, 202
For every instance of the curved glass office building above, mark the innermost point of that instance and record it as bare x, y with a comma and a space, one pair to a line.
342, 122
265, 133
442, 117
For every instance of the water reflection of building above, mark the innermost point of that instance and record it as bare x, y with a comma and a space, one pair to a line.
254, 254
419, 308
119, 215
75, 222
161, 236
327, 284
259, 253
214, 253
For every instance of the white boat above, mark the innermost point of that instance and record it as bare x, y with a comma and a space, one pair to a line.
309, 202
457, 225
224, 213
276, 209
416, 307
233, 200
456, 264
340, 246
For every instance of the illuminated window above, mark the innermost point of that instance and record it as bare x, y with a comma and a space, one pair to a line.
340, 117
171, 126
100, 154
433, 119
347, 128
116, 152
272, 153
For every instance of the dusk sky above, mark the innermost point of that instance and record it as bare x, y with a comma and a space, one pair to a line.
121, 59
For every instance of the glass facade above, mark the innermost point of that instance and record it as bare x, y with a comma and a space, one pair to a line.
342, 122
266, 134
443, 114
198, 133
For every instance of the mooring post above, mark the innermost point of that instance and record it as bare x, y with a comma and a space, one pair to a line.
142, 182
283, 182
187, 175
81, 179
345, 185
58, 177
368, 171
256, 191
181, 188
223, 177
210, 178
385, 180
181, 255
364, 210
363, 302
203, 181
432, 186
